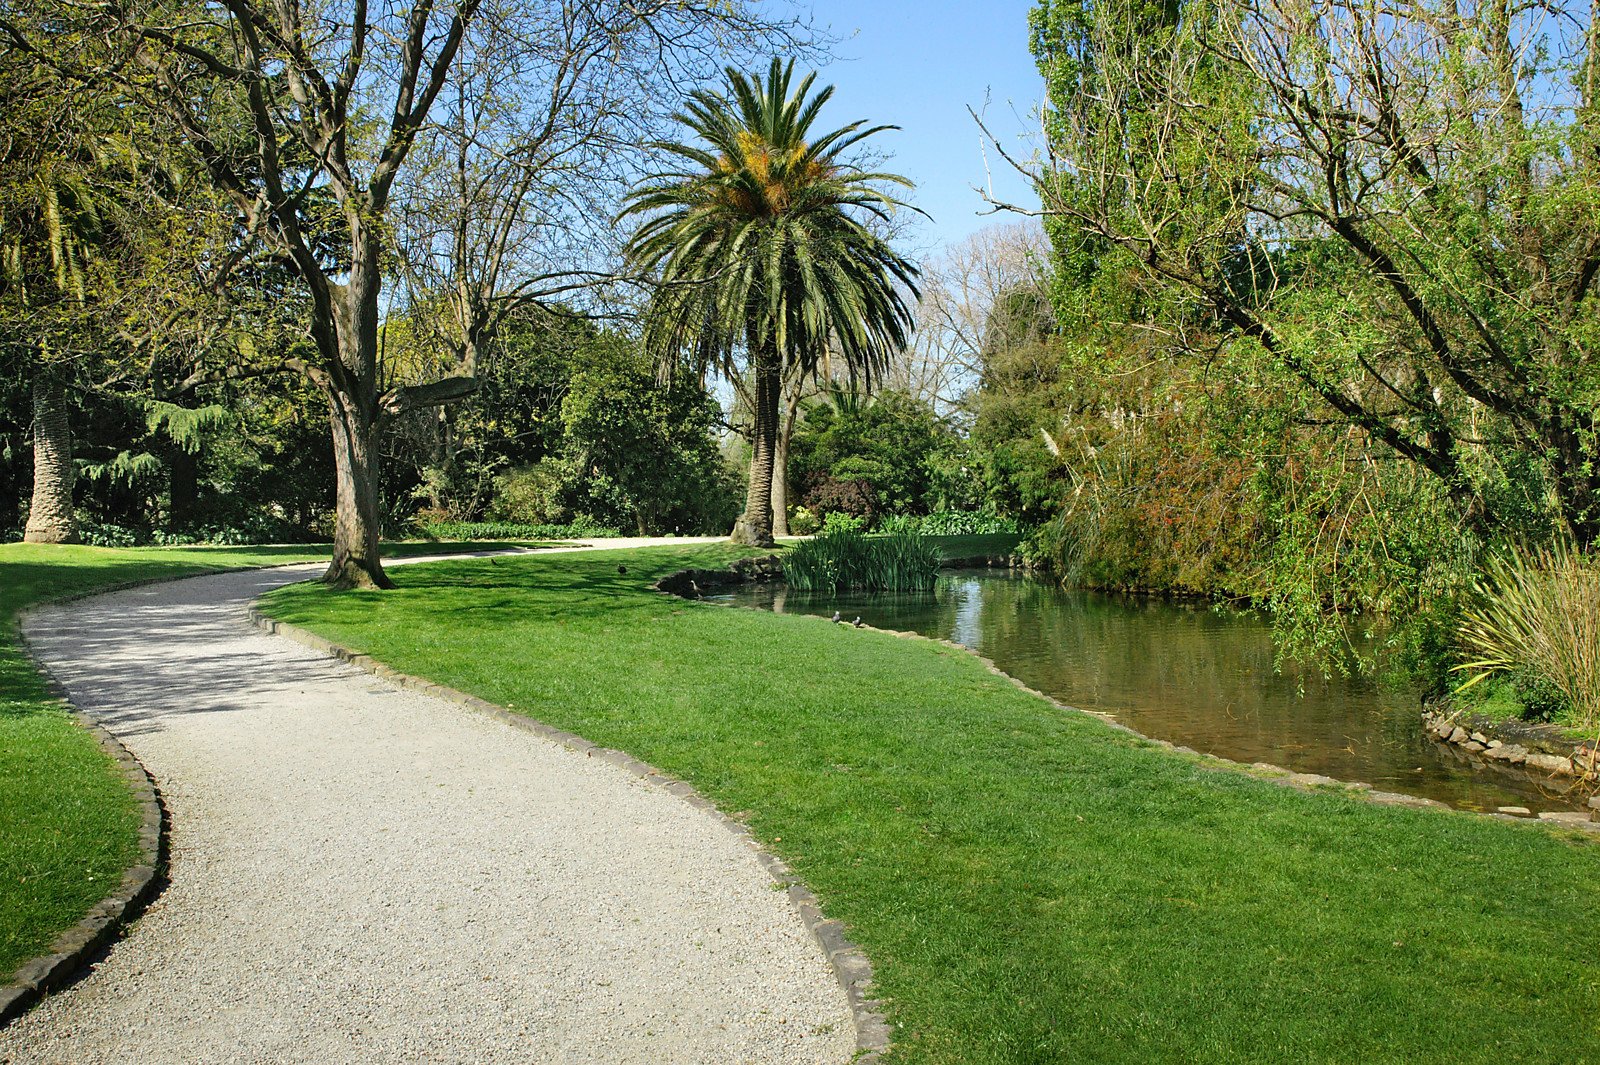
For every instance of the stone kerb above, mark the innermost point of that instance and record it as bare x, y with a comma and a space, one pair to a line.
140, 884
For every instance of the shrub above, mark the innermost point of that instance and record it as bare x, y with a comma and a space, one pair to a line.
900, 523
531, 495
968, 523
579, 527
838, 522
855, 498
96, 535
1536, 617
847, 559
802, 522
262, 529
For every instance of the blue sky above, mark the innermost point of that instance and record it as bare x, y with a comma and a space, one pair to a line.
919, 66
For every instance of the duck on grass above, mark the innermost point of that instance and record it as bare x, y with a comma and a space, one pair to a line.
850, 560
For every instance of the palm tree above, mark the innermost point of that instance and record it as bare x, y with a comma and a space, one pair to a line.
760, 246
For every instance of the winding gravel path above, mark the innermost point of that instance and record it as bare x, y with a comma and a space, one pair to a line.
365, 874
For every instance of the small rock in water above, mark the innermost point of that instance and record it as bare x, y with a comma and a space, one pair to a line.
1565, 817
1478, 737
1472, 745
1458, 735
1550, 763
1516, 811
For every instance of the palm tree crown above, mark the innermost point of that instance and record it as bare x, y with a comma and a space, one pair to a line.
760, 244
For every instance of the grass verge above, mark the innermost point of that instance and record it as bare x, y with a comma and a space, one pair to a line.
1031, 885
982, 545
68, 827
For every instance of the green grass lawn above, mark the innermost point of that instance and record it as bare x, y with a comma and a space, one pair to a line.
1031, 885
983, 545
68, 827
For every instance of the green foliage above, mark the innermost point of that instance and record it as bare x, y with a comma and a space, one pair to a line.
838, 521
572, 423
761, 236
262, 528
802, 522
983, 522
764, 242
1535, 617
578, 529
892, 446
843, 559
643, 450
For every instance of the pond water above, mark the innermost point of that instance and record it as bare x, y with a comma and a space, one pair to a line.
1185, 673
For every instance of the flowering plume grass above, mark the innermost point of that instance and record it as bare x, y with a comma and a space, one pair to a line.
1538, 612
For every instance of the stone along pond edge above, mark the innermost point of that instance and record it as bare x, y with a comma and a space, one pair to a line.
849, 964
689, 583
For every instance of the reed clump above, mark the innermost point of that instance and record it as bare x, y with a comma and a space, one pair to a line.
849, 560
1538, 612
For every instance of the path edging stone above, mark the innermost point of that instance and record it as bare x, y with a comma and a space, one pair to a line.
850, 965
141, 882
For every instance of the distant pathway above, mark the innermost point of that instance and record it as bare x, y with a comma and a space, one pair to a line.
365, 874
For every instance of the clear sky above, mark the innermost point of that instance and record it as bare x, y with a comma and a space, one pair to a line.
919, 65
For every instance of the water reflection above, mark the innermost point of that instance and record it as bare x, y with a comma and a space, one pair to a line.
1185, 673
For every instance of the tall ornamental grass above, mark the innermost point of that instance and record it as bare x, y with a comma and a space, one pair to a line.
848, 560
1538, 612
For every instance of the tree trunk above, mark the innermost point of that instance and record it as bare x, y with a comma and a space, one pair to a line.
1577, 486
780, 485
755, 525
780, 463
183, 488
51, 519
348, 339
357, 522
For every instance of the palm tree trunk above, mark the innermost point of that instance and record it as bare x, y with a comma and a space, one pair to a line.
755, 526
780, 460
51, 519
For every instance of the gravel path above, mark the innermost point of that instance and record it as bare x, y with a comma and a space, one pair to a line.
364, 874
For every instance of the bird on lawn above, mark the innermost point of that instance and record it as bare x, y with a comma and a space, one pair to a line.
623, 570
837, 617
857, 621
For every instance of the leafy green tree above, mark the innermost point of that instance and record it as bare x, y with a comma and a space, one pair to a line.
893, 444
643, 449
103, 246
1394, 210
307, 120
761, 250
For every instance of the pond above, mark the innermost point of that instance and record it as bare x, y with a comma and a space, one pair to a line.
1184, 673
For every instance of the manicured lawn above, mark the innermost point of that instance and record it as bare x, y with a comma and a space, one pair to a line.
68, 827
1031, 885
984, 545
